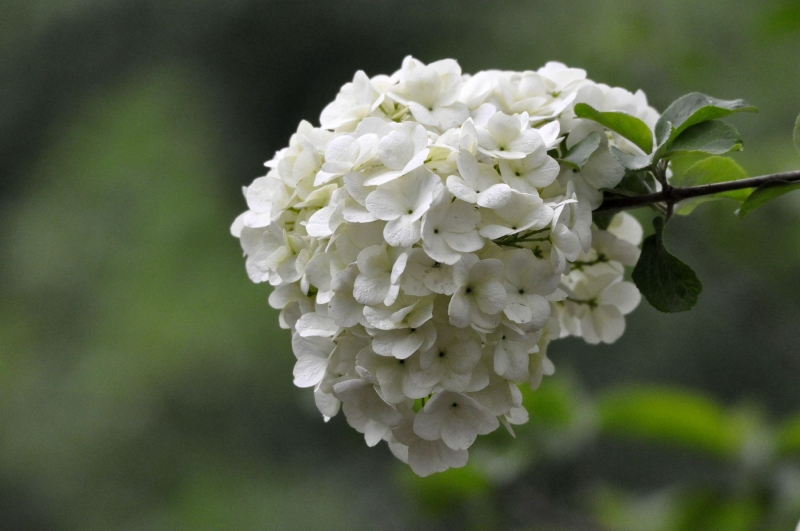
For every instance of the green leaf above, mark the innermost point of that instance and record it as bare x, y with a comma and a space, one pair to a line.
713, 137
663, 132
671, 416
796, 135
710, 170
635, 183
788, 437
694, 108
668, 284
766, 192
631, 162
579, 154
626, 125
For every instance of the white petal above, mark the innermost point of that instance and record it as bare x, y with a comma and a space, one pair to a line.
309, 370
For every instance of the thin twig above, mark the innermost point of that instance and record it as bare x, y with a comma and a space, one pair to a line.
674, 194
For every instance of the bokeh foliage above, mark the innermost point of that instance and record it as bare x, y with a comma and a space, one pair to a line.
145, 384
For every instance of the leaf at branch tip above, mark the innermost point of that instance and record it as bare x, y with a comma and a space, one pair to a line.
796, 135
631, 162
694, 108
626, 125
577, 157
764, 193
668, 284
713, 137
709, 171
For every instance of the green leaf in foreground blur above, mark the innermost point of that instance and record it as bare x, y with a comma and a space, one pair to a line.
766, 192
796, 135
671, 416
626, 125
694, 108
709, 171
668, 284
578, 155
713, 137
788, 437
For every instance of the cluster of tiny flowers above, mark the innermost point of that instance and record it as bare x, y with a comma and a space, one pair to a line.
425, 246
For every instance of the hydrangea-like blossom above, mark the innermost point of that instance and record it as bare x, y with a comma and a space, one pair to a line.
426, 244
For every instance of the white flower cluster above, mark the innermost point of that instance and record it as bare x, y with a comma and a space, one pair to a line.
425, 247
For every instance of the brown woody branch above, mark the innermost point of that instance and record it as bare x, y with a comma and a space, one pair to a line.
670, 195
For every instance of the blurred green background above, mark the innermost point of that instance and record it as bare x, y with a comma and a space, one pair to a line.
145, 384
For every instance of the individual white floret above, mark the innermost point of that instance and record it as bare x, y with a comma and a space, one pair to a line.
402, 148
504, 400
627, 228
402, 203
512, 350
478, 183
431, 92
508, 137
448, 229
401, 343
527, 281
571, 229
394, 376
602, 171
521, 212
527, 175
480, 296
406, 312
345, 154
266, 197
454, 418
562, 79
424, 275
298, 164
380, 267
366, 411
312, 359
598, 305
316, 324
450, 359
424, 457
355, 101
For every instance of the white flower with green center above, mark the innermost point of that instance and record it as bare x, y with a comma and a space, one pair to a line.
431, 92
402, 148
450, 359
528, 175
424, 275
380, 267
598, 305
397, 379
527, 281
366, 411
480, 296
455, 418
402, 203
522, 212
355, 101
448, 229
508, 137
478, 183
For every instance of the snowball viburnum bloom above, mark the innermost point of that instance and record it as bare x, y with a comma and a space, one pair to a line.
425, 245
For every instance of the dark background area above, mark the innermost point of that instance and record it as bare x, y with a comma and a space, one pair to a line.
145, 384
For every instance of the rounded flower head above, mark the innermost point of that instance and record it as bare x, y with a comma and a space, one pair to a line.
425, 245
